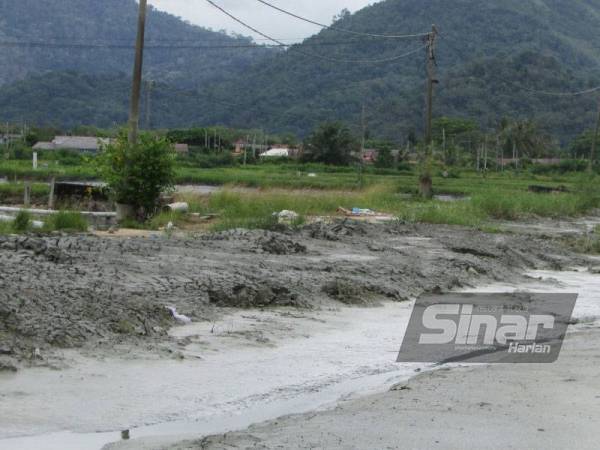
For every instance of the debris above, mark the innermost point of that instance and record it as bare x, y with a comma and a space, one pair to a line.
362, 212
179, 317
181, 207
356, 212
286, 217
472, 271
279, 245
312, 174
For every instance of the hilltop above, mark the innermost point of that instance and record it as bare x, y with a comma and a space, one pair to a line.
97, 38
491, 55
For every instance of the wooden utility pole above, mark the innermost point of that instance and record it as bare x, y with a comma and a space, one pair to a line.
431, 81
425, 181
594, 141
134, 113
149, 86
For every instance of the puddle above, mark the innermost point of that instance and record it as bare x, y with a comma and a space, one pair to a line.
341, 354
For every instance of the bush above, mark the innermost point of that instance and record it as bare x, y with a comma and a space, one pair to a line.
138, 174
22, 222
66, 221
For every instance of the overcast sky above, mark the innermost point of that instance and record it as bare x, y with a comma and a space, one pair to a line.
260, 16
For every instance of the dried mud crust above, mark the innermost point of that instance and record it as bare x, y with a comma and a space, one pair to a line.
81, 290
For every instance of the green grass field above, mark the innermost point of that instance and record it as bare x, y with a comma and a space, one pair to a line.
502, 196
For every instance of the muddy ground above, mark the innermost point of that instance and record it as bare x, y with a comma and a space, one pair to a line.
493, 407
110, 295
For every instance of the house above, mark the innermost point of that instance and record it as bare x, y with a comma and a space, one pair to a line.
182, 149
369, 156
276, 153
8, 138
82, 144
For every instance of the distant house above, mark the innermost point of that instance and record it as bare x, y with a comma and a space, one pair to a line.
182, 149
276, 153
82, 144
8, 138
369, 156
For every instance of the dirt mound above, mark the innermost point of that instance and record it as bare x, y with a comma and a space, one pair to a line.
278, 244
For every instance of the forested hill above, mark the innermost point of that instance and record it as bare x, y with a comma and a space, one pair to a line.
486, 51
97, 37
491, 56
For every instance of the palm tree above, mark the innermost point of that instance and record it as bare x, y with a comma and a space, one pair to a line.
524, 138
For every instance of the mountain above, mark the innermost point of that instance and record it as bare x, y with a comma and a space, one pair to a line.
490, 56
97, 37
487, 53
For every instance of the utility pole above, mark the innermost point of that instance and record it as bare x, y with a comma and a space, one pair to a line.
363, 128
594, 141
149, 86
425, 181
431, 80
134, 113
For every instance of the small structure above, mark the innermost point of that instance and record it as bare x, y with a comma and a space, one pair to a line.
81, 144
80, 190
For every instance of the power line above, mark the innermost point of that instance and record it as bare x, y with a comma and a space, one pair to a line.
541, 92
340, 30
550, 93
312, 55
151, 46
114, 46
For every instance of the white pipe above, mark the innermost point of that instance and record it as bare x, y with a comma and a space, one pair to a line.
49, 212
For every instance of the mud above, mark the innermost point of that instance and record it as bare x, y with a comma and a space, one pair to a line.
109, 295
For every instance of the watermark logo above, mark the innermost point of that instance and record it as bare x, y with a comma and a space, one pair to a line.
490, 328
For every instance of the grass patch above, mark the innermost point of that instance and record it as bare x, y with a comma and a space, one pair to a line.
22, 222
66, 221
450, 213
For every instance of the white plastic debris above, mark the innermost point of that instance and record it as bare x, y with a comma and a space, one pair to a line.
179, 317
312, 175
286, 216
37, 224
169, 226
181, 207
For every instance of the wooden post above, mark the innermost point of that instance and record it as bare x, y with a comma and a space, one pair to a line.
136, 87
51, 197
27, 194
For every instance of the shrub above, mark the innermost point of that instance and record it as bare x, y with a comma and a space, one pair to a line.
22, 222
138, 174
67, 221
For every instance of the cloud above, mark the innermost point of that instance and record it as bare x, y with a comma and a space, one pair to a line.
262, 17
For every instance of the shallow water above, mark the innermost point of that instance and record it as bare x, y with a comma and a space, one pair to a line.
334, 356
340, 354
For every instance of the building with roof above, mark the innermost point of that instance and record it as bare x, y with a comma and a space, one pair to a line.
82, 144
